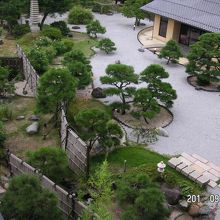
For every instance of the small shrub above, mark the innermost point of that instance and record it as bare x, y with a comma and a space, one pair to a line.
38, 59
5, 112
186, 189
20, 30
43, 42
50, 53
106, 45
62, 26
79, 15
102, 9
203, 80
52, 32
63, 46
94, 27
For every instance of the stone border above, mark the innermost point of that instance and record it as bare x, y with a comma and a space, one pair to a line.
199, 87
172, 117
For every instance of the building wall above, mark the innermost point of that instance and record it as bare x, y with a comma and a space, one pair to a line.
173, 29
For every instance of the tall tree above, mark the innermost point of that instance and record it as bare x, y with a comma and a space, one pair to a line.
95, 126
26, 199
132, 8
55, 86
204, 59
52, 6
120, 76
153, 76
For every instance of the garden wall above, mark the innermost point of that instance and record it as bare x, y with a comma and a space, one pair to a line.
70, 207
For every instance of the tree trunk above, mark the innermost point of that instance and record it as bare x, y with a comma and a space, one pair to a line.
43, 20
168, 61
137, 21
124, 103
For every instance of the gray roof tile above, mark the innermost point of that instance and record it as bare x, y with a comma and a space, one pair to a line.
204, 14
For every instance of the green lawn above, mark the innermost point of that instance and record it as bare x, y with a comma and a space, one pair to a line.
140, 159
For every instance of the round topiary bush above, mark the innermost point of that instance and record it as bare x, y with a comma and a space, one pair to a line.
79, 15
62, 26
52, 32
63, 46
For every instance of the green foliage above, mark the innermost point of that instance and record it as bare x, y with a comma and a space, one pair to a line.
101, 8
138, 193
2, 135
51, 161
95, 125
171, 51
80, 15
6, 86
26, 199
186, 189
147, 105
204, 59
63, 46
62, 26
106, 45
43, 42
55, 86
5, 111
38, 59
162, 91
81, 72
52, 32
120, 76
20, 30
50, 53
132, 8
94, 28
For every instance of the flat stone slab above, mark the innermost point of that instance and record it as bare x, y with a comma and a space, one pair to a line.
214, 172
174, 162
204, 166
187, 170
181, 166
211, 176
200, 158
184, 160
188, 157
202, 180
212, 184
198, 168
213, 166
195, 175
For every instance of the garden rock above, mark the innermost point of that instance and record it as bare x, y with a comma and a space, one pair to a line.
1, 42
98, 93
184, 205
34, 118
141, 50
172, 195
2, 192
75, 27
194, 210
21, 117
4, 119
33, 128
4, 179
162, 132
205, 210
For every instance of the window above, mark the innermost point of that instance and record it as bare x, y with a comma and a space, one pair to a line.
163, 26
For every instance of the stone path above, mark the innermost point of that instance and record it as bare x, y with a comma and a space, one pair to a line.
19, 87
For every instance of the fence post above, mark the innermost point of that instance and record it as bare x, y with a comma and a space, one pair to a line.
67, 136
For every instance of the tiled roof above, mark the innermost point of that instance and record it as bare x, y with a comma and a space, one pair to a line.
203, 14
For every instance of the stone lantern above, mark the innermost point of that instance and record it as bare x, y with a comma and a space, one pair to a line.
161, 167
34, 16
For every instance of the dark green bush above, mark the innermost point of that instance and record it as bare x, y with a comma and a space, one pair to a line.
43, 42
203, 80
52, 32
62, 26
97, 7
50, 53
20, 30
63, 46
79, 15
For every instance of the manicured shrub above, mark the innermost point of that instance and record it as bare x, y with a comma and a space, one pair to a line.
62, 26
203, 80
38, 59
43, 42
106, 45
50, 53
20, 30
94, 28
102, 9
52, 32
63, 46
79, 15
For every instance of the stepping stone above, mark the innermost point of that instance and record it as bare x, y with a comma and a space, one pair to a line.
200, 158
211, 176
181, 166
195, 175
204, 166
203, 180
213, 166
198, 168
173, 162
188, 157
186, 171
214, 172
212, 184
21, 117
184, 160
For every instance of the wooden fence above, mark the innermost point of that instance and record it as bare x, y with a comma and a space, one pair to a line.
30, 73
68, 205
74, 146
12, 62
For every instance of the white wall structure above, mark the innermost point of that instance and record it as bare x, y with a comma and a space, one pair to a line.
34, 16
